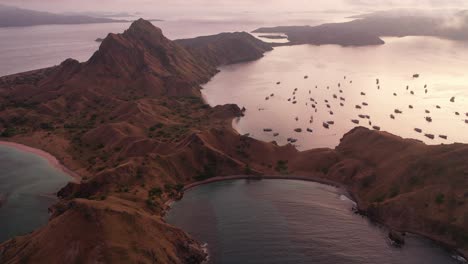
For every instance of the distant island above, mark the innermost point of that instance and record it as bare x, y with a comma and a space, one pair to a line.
18, 17
273, 37
368, 29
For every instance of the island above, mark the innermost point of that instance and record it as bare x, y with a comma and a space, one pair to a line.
132, 123
19, 17
366, 30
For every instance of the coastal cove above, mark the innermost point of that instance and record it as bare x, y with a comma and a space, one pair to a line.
252, 220
29, 181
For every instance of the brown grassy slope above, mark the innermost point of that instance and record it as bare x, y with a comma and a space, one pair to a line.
408, 185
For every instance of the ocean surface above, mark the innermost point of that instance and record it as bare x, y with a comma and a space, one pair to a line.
29, 48
28, 184
278, 221
348, 75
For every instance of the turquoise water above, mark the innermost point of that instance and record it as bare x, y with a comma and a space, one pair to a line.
279, 221
28, 184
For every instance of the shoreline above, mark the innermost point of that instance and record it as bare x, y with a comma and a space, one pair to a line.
52, 160
346, 191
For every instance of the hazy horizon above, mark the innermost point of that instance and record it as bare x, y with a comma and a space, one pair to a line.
223, 8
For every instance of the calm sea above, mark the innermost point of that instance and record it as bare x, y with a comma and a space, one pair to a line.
348, 76
277, 221
28, 184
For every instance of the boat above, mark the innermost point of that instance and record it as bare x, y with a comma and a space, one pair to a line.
298, 130
363, 93
309, 130
410, 106
326, 125
362, 116
355, 121
365, 104
416, 75
276, 134
418, 130
398, 111
392, 116
429, 119
428, 112
376, 128
443, 136
358, 107
278, 83
452, 99
431, 136
331, 122
267, 129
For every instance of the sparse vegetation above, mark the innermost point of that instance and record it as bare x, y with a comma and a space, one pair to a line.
155, 192
440, 198
368, 181
394, 191
282, 166
9, 132
209, 171
247, 170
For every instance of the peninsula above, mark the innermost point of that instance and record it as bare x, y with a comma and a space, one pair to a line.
131, 122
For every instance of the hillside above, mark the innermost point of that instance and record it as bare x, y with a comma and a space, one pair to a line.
132, 123
18, 17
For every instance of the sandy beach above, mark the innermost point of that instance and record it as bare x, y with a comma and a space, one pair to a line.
50, 158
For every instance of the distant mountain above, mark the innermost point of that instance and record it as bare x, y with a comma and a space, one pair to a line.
18, 17
368, 29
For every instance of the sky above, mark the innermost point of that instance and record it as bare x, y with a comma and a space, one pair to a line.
167, 8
